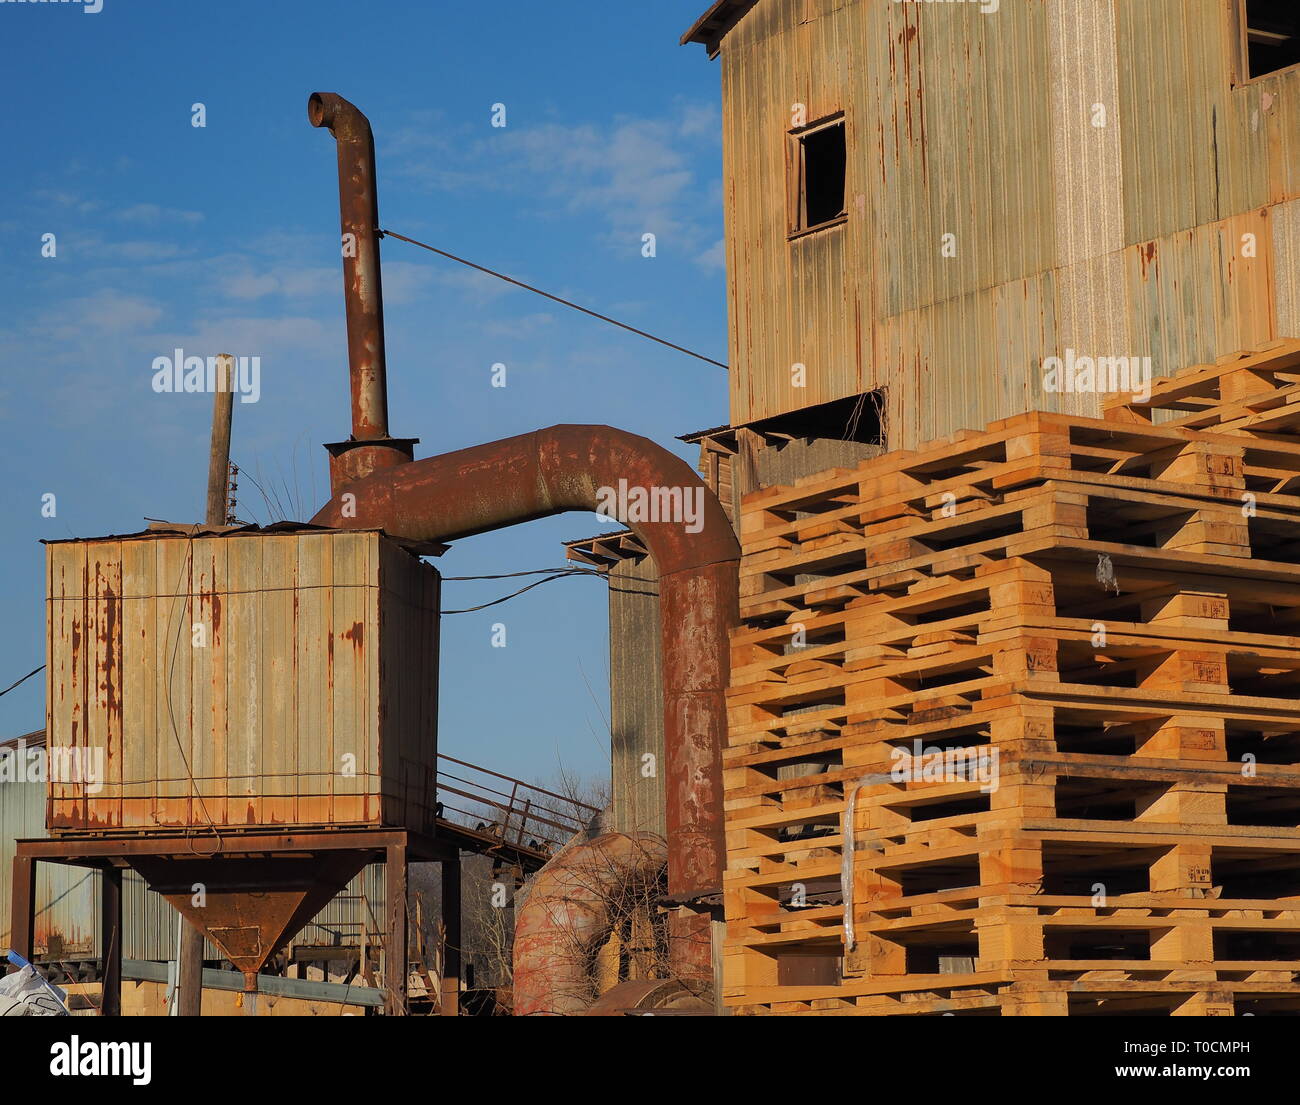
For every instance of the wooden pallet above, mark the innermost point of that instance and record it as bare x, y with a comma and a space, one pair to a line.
1253, 392
1106, 611
1086, 526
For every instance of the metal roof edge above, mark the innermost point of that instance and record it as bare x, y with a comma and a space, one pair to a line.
710, 29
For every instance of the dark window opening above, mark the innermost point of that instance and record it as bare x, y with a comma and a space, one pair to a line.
855, 418
1272, 36
823, 158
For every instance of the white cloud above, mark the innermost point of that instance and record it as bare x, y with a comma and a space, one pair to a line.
268, 338
700, 120
106, 311
520, 326
631, 176
714, 258
404, 281
249, 285
153, 213
295, 283
70, 200
144, 250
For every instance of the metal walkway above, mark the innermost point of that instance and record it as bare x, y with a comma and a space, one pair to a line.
489, 813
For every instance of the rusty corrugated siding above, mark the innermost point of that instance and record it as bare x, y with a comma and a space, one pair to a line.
360, 906
276, 717
408, 681
1119, 240
636, 702
66, 897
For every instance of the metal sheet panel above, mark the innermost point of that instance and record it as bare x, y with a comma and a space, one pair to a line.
67, 918
636, 698
236, 680
407, 684
1198, 146
358, 909
1286, 265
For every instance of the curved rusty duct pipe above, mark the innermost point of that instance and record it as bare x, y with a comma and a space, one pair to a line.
370, 448
564, 468
533, 476
567, 915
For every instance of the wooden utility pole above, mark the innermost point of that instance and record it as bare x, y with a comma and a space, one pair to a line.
189, 971
223, 409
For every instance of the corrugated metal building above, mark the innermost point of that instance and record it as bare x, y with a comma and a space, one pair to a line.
242, 678
1016, 179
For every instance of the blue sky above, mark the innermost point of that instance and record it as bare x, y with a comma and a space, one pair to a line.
225, 238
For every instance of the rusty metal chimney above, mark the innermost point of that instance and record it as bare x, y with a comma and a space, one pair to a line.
370, 448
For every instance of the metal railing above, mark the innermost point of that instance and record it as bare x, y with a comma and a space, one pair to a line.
498, 806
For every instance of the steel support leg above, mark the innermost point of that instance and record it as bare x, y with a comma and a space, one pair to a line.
110, 936
22, 918
451, 942
189, 972
395, 965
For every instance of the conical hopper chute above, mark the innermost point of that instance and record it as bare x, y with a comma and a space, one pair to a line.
250, 906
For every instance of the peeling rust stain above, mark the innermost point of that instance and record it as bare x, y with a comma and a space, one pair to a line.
112, 698
1146, 256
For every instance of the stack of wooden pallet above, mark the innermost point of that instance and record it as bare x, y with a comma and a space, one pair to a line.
1015, 718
